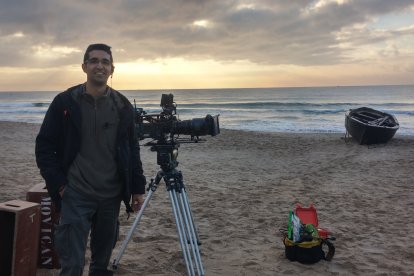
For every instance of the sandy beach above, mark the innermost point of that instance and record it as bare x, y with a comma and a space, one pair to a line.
241, 187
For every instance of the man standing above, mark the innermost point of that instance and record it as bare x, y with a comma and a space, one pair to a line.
87, 153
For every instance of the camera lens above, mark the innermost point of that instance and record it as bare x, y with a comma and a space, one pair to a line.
198, 126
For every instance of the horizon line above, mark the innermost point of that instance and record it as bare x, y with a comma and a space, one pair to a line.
223, 88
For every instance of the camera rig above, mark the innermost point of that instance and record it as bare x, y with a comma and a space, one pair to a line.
164, 128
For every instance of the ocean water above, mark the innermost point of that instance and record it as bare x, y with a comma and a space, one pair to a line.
301, 110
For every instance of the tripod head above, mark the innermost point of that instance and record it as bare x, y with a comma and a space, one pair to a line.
166, 154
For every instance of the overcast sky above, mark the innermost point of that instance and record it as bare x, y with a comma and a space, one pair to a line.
208, 44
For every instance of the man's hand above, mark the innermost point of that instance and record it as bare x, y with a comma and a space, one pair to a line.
137, 201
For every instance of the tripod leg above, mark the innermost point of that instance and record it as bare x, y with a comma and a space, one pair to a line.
187, 203
191, 239
181, 232
192, 231
186, 231
131, 231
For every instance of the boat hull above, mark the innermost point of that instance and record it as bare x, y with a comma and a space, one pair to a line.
370, 126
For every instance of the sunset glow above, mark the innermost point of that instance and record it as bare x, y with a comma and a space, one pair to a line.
210, 45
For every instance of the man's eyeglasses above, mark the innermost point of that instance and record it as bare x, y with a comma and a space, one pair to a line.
96, 61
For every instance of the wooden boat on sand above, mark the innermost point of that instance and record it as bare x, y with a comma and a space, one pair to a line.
370, 126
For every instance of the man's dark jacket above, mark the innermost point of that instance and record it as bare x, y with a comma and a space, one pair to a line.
59, 141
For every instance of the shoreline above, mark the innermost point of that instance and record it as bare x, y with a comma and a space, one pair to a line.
241, 186
264, 132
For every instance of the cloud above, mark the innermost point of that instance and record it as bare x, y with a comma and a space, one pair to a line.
48, 33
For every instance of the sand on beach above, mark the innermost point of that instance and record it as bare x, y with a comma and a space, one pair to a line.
241, 187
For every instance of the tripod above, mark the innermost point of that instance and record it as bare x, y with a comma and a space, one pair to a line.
189, 241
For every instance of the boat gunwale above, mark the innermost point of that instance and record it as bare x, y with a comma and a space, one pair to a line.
350, 116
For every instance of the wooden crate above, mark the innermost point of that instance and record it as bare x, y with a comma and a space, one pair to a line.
19, 237
48, 257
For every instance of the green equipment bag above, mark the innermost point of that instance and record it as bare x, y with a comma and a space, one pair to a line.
308, 252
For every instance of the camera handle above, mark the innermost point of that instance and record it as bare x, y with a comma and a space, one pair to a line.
186, 229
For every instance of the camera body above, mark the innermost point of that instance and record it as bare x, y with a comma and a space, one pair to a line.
165, 126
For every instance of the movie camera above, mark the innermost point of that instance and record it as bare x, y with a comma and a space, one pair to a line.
166, 126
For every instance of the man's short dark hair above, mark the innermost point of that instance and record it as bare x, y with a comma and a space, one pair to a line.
97, 46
